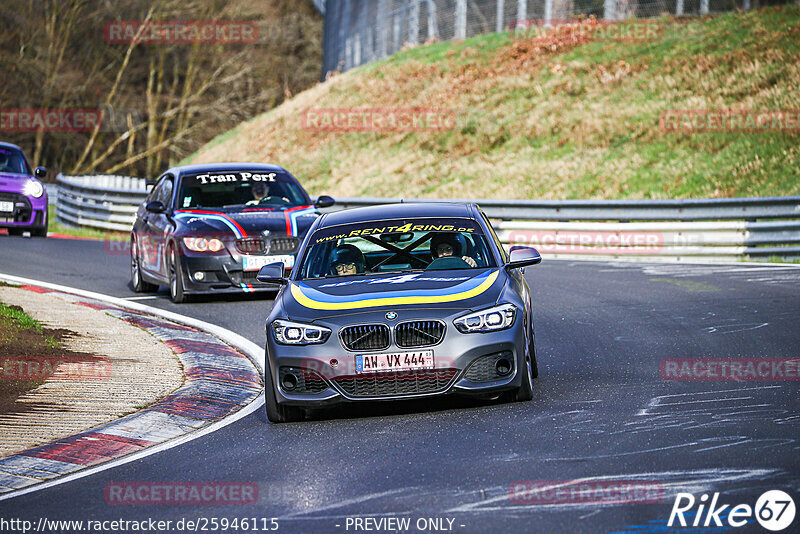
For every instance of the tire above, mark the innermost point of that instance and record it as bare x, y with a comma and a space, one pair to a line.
525, 391
40, 231
139, 285
176, 293
277, 413
529, 371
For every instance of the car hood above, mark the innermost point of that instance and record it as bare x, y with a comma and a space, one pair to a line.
13, 183
310, 300
290, 221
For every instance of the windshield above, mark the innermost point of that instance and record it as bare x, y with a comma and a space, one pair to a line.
396, 246
12, 161
240, 189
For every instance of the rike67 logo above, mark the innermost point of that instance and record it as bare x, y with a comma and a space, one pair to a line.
774, 510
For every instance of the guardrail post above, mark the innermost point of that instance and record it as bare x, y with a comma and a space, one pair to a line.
704, 7
548, 12
679, 8
522, 12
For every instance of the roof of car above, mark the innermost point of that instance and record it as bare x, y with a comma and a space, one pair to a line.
405, 210
233, 166
9, 145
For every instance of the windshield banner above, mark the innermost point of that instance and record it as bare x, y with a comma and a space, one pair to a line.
400, 226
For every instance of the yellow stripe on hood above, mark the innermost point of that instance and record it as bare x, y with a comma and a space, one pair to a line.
304, 300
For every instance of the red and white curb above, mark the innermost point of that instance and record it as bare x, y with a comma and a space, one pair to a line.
222, 385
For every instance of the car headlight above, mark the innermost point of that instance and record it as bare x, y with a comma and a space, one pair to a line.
291, 333
490, 320
33, 189
201, 244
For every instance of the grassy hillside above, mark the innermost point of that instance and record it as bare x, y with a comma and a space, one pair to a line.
543, 117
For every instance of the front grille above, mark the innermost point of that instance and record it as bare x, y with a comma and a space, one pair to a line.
389, 384
307, 381
284, 245
251, 245
21, 211
418, 333
365, 337
484, 369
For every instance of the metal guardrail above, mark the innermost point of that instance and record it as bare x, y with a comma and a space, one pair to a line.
103, 202
728, 229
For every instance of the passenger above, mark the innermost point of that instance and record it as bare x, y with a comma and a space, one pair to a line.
443, 245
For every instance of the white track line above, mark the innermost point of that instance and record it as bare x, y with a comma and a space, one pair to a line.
253, 351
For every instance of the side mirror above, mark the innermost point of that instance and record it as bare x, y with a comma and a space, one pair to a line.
522, 257
324, 201
40, 173
155, 206
272, 274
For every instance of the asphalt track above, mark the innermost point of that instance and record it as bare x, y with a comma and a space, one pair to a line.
601, 411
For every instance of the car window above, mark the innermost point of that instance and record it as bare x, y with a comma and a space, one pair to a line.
395, 247
240, 189
496, 239
156, 190
13, 161
165, 192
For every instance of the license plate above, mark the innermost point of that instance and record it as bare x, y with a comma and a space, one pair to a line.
7, 207
398, 361
254, 263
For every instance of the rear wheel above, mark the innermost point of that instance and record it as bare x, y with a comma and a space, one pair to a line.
175, 278
278, 413
139, 285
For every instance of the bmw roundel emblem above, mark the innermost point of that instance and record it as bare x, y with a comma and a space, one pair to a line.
391, 316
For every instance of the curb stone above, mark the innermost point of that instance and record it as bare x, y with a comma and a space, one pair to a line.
219, 380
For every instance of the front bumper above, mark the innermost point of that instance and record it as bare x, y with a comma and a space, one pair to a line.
464, 365
220, 274
28, 212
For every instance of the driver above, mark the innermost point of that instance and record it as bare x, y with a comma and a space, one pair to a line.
348, 260
259, 191
443, 245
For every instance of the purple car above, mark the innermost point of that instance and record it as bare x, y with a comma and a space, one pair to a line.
23, 199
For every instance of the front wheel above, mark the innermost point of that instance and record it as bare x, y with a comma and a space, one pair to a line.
40, 231
525, 391
176, 292
278, 413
